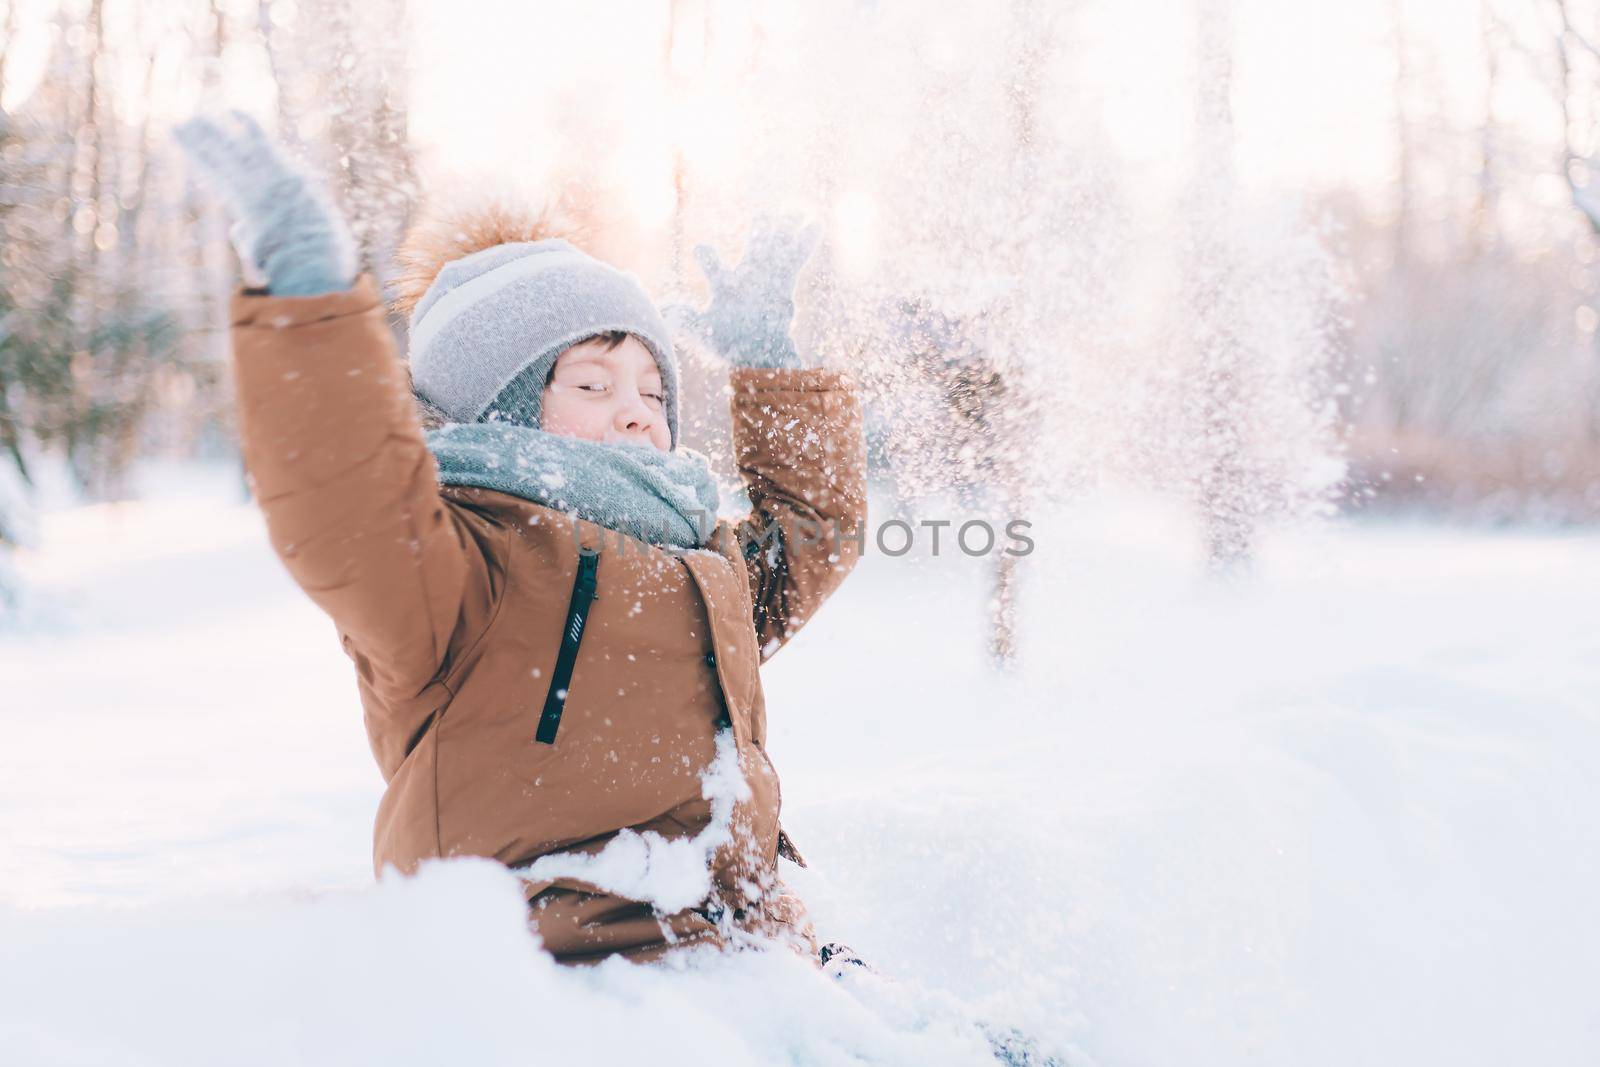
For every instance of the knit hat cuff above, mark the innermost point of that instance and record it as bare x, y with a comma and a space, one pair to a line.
494, 315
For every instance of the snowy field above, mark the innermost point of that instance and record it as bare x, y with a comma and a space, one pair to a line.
1343, 813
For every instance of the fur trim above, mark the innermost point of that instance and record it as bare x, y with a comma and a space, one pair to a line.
440, 236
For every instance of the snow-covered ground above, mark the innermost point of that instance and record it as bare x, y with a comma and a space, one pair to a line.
1343, 813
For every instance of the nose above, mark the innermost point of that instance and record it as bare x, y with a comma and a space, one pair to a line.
635, 417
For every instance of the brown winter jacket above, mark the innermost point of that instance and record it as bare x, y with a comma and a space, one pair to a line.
451, 601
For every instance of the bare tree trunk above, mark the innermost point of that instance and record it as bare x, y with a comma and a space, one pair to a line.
1031, 40
1003, 640
216, 274
288, 133
10, 441
369, 132
1572, 164
1224, 490
1485, 226
8, 33
679, 19
82, 223
1403, 146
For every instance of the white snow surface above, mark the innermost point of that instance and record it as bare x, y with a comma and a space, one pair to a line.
1340, 813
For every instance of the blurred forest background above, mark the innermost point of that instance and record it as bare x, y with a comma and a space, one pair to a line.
1429, 347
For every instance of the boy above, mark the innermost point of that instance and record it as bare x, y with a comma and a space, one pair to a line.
557, 653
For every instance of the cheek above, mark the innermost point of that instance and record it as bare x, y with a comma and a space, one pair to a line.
571, 416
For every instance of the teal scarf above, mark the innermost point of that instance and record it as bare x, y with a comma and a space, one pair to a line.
664, 498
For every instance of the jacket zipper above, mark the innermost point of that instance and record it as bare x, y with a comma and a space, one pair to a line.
723, 721
555, 701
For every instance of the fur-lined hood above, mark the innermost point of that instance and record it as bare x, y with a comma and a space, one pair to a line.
440, 235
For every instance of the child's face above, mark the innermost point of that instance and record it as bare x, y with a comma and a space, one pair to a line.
606, 395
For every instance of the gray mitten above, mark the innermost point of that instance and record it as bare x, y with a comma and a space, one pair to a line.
286, 229
747, 322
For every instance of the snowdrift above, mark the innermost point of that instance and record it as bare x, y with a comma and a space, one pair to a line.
1339, 813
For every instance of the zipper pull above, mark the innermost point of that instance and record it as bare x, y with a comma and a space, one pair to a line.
588, 563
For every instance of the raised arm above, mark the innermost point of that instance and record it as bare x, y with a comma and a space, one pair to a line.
796, 434
798, 439
329, 431
338, 464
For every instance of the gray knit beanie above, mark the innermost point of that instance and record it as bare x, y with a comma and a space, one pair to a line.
486, 334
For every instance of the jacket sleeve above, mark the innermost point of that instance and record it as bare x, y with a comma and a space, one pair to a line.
335, 455
797, 438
